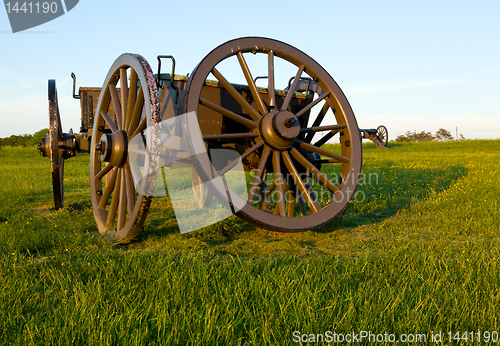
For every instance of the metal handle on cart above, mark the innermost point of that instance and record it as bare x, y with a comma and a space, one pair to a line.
159, 57
173, 68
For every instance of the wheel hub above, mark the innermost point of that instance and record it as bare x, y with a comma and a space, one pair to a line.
279, 129
113, 148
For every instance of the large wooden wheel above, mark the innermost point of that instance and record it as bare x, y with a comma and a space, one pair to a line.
295, 182
128, 105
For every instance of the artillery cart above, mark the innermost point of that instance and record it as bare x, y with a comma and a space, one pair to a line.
296, 180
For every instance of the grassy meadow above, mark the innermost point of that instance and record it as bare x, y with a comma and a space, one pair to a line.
416, 254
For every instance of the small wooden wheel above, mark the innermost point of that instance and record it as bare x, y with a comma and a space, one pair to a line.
294, 183
121, 115
58, 146
382, 134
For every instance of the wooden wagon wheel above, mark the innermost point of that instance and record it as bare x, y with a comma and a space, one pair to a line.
122, 114
56, 154
58, 146
301, 190
382, 134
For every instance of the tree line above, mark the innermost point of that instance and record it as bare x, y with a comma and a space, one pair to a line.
24, 140
440, 135
409, 136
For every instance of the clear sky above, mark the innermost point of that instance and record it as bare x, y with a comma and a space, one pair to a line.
410, 65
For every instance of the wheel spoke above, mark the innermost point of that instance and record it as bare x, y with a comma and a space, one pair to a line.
231, 136
322, 151
312, 170
109, 188
58, 117
231, 115
136, 114
236, 117
317, 121
312, 104
330, 104
325, 138
323, 128
237, 96
142, 126
116, 105
242, 157
124, 95
130, 189
298, 181
270, 79
302, 205
122, 203
257, 180
291, 91
322, 161
109, 121
132, 98
291, 201
251, 84
311, 193
114, 201
104, 171
278, 180
264, 191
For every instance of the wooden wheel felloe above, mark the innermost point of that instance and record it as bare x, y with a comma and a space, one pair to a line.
383, 134
58, 146
294, 183
128, 104
56, 154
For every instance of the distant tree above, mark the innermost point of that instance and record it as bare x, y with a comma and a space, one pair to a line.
37, 137
16, 141
424, 136
403, 138
415, 137
12, 141
443, 135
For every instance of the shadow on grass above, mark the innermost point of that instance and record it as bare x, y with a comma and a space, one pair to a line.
371, 146
79, 207
394, 188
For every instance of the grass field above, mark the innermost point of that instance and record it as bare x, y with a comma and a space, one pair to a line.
416, 258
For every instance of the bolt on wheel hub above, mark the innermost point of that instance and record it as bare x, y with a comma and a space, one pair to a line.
113, 148
279, 129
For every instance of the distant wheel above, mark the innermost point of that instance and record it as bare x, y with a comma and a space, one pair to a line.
119, 210
294, 183
56, 154
382, 134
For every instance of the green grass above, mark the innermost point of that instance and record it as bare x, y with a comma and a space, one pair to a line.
416, 253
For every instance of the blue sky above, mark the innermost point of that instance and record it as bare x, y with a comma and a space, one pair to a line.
410, 65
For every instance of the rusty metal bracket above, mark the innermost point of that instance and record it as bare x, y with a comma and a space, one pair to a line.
75, 96
158, 76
